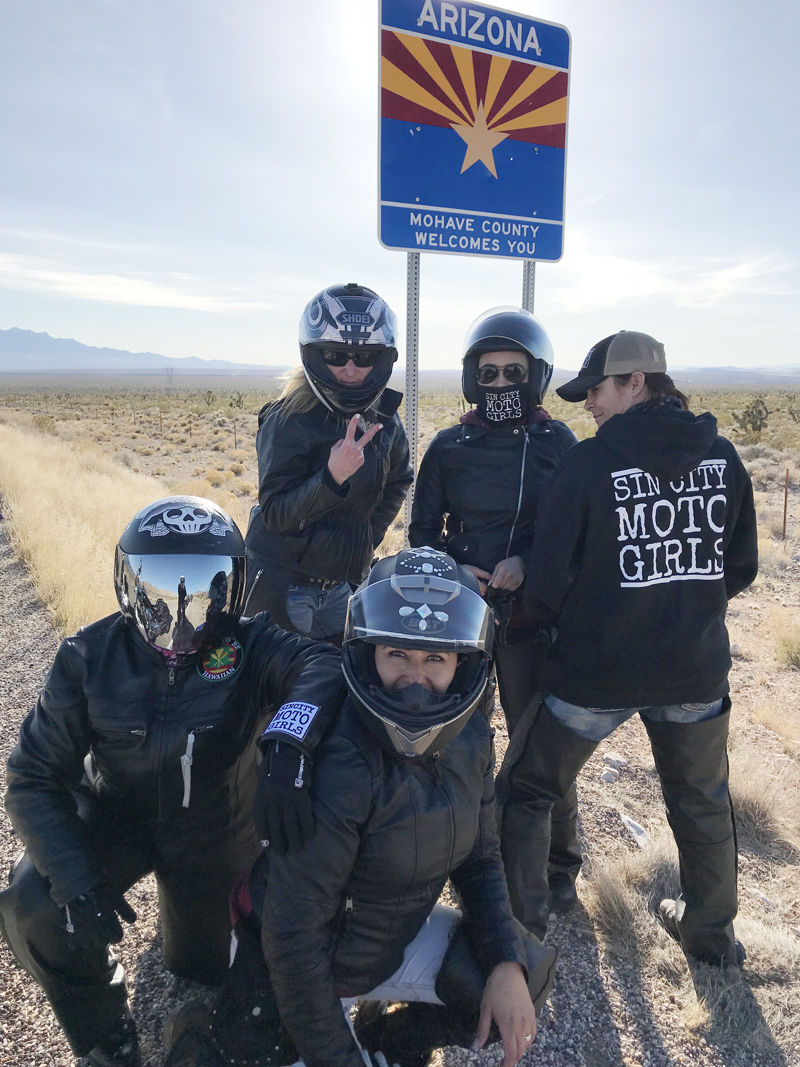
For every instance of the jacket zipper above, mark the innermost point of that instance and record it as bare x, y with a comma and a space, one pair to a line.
259, 572
519, 498
186, 768
170, 691
442, 785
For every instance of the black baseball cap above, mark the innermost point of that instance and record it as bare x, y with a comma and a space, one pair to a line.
621, 353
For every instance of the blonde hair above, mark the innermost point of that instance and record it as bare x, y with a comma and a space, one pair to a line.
297, 397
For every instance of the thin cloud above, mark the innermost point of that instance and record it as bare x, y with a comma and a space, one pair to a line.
601, 282
26, 274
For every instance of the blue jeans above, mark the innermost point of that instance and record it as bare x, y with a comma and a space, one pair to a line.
595, 724
317, 614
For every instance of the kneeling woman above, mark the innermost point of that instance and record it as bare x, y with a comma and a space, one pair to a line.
403, 799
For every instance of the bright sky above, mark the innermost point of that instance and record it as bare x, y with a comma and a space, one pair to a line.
180, 177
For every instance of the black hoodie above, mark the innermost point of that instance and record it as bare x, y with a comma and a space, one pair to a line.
644, 533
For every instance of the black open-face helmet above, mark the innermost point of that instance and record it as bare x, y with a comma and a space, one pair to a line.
418, 599
352, 319
179, 573
508, 329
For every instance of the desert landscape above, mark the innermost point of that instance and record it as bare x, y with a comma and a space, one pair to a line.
76, 461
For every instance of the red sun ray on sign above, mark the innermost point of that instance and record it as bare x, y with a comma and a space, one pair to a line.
484, 98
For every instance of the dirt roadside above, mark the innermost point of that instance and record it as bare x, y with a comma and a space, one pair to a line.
608, 1008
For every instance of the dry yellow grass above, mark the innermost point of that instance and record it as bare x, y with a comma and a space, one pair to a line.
68, 505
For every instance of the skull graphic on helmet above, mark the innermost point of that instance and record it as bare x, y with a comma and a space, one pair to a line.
185, 516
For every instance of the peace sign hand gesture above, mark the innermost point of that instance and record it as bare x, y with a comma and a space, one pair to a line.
347, 455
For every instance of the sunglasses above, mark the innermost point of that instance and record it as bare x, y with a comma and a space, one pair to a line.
337, 357
512, 372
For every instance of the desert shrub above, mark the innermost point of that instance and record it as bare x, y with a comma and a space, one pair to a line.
622, 893
766, 796
787, 648
782, 721
237, 468
772, 520
751, 452
214, 478
239, 454
753, 417
220, 446
243, 488
772, 557
45, 423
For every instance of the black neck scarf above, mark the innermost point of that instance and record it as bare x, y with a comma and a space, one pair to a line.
503, 407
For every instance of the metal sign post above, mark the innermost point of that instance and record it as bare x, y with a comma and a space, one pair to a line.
472, 136
528, 284
412, 373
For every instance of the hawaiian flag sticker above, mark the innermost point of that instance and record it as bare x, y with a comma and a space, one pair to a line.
221, 662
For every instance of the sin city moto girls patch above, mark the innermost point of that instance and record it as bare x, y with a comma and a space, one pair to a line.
221, 662
293, 718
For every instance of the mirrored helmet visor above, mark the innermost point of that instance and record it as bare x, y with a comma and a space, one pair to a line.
174, 600
420, 610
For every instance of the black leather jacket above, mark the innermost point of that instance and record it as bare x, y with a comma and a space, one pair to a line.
306, 523
337, 916
111, 696
478, 489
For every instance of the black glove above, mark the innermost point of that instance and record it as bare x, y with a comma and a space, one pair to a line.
92, 916
282, 812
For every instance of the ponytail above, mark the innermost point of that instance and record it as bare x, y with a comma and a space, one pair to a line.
658, 386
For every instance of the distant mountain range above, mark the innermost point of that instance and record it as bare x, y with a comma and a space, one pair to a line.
26, 352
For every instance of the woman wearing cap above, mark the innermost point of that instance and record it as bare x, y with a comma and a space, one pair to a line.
477, 495
403, 799
644, 534
333, 465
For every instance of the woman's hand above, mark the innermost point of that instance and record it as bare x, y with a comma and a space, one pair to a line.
507, 1001
347, 455
508, 574
482, 576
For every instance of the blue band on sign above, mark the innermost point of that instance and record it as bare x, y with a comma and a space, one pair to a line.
294, 719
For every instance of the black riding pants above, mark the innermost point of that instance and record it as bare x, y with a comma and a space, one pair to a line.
85, 983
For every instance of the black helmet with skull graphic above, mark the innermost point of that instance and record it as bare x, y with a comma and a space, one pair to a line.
179, 573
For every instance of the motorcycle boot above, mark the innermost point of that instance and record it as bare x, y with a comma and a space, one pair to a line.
692, 763
119, 1047
565, 858
539, 772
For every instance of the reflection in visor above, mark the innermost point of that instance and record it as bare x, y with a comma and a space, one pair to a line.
420, 610
174, 598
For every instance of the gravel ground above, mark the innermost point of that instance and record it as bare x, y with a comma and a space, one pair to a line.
604, 1011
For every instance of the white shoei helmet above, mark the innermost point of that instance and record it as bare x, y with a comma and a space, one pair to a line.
348, 322
418, 599
179, 573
